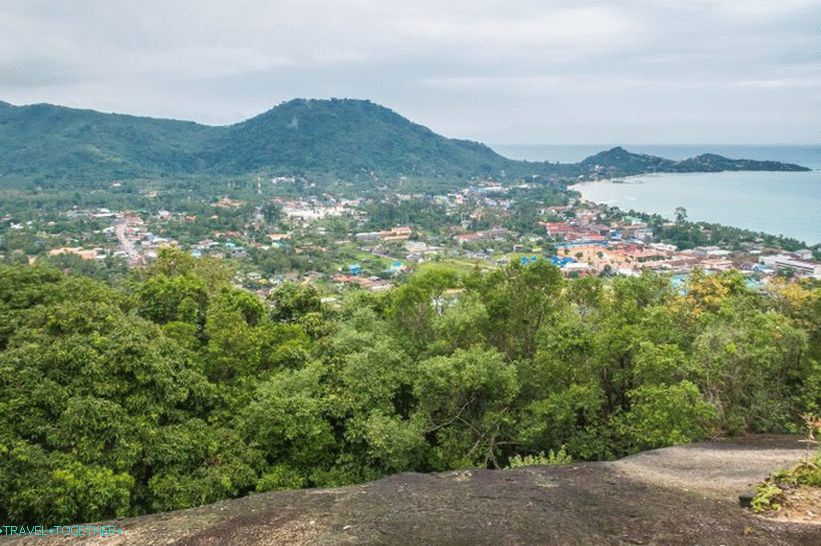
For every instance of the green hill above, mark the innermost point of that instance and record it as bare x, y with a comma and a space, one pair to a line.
339, 138
347, 138
624, 162
46, 141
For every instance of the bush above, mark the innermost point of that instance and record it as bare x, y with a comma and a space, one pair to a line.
552, 458
666, 415
280, 477
768, 496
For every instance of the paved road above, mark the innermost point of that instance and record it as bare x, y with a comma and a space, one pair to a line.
120, 229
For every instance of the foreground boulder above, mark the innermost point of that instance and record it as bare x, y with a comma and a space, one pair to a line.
679, 495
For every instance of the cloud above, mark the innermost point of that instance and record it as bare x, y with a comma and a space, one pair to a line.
489, 69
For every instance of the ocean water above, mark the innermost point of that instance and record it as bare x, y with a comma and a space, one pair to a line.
781, 203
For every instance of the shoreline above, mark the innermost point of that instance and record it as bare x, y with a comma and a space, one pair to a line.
741, 195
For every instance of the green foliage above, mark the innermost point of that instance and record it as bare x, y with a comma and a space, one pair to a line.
772, 492
806, 473
285, 422
279, 477
768, 496
293, 301
465, 400
662, 415
196, 463
552, 458
176, 389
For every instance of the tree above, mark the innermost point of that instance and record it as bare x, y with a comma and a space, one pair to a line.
520, 301
417, 302
285, 422
681, 216
177, 389
465, 401
293, 301
665, 415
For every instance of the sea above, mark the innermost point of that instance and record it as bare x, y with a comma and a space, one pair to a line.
780, 203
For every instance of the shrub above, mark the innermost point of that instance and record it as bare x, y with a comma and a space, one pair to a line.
552, 458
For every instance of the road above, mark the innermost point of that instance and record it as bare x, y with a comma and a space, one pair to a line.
120, 228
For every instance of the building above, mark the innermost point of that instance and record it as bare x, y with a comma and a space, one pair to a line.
717, 264
557, 230
401, 233
711, 251
784, 262
477, 236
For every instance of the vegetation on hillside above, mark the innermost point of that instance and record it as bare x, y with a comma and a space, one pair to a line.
326, 139
175, 389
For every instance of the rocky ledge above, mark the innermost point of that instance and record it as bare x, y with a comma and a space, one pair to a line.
678, 495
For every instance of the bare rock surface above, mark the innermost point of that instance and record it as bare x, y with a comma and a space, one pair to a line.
679, 495
721, 469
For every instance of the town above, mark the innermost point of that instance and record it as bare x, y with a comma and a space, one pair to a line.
371, 241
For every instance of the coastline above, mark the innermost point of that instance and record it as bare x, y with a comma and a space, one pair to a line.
785, 204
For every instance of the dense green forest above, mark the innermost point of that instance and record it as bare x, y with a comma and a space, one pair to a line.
173, 389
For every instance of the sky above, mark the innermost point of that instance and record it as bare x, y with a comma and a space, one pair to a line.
503, 72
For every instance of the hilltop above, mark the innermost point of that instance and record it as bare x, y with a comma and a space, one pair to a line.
337, 138
677, 495
347, 138
619, 162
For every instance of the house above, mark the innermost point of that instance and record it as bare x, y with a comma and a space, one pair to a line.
599, 229
488, 235
557, 230
468, 237
717, 264
784, 262
711, 251
585, 217
401, 233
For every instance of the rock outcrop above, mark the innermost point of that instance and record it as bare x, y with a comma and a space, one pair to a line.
678, 495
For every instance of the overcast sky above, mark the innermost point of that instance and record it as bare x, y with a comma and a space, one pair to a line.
508, 71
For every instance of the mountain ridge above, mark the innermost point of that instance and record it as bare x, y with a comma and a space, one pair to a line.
336, 138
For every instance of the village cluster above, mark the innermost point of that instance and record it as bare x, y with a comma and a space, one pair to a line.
325, 240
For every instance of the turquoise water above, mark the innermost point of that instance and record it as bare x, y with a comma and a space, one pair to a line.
782, 203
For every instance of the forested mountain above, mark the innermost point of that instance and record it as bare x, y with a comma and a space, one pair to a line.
345, 139
620, 162
45, 141
348, 138
625, 162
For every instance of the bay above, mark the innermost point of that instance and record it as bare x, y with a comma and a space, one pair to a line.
779, 203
